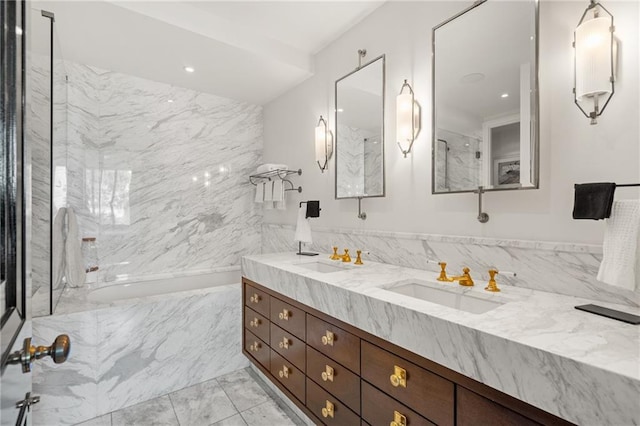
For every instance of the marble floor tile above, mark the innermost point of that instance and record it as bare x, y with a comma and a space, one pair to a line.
243, 389
269, 413
202, 404
157, 412
236, 420
98, 421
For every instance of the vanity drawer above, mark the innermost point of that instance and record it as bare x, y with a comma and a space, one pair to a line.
334, 342
292, 378
429, 394
378, 409
287, 317
343, 384
470, 407
257, 324
334, 413
257, 348
288, 346
256, 299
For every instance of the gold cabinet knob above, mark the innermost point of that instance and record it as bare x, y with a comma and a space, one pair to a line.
285, 343
255, 298
255, 322
284, 373
328, 410
399, 377
327, 374
328, 338
255, 347
398, 419
284, 315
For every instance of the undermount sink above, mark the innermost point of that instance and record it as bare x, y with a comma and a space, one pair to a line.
321, 267
453, 299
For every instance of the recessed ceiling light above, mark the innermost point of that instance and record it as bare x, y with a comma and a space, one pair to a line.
189, 69
170, 101
340, 110
474, 77
504, 95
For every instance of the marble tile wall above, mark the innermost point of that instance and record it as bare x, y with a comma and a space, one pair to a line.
124, 355
159, 174
350, 161
373, 165
563, 268
458, 168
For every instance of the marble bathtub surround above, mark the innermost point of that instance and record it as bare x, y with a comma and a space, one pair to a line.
535, 347
562, 268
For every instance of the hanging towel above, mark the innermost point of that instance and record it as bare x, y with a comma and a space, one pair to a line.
268, 190
593, 200
74, 269
57, 247
259, 198
621, 252
268, 167
303, 228
278, 190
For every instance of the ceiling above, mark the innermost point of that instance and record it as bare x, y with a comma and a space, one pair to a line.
251, 51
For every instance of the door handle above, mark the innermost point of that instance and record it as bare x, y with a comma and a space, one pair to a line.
58, 351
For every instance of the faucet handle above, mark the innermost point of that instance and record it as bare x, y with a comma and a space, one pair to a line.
335, 255
345, 257
358, 258
492, 285
443, 272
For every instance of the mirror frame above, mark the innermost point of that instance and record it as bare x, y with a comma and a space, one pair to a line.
535, 112
337, 139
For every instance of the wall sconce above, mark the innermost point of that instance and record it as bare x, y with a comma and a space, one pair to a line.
407, 118
595, 58
324, 144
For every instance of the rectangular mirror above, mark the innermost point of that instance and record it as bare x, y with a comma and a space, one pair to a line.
485, 98
360, 132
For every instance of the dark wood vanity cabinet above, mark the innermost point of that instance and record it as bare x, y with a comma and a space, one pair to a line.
340, 375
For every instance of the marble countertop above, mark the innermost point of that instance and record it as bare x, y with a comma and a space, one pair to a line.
536, 346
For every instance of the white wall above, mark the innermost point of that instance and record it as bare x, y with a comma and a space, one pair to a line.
571, 150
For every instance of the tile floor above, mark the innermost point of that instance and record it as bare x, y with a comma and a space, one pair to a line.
236, 399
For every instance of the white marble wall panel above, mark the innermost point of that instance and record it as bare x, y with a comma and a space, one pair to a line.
569, 269
159, 174
373, 165
131, 353
350, 161
457, 169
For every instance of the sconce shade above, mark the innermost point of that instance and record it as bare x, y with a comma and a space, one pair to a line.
407, 118
595, 50
324, 144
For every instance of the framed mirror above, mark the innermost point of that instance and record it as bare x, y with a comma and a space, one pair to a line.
485, 98
360, 132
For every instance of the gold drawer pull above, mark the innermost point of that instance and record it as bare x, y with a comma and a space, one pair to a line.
328, 410
284, 315
255, 322
284, 373
327, 374
285, 343
399, 377
255, 347
398, 419
255, 298
328, 338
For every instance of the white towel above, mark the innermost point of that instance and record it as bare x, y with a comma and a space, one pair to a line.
268, 190
57, 247
259, 198
303, 228
268, 167
620, 261
278, 190
74, 270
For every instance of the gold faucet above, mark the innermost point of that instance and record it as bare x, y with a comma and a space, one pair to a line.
358, 258
465, 278
335, 255
492, 286
345, 256
443, 273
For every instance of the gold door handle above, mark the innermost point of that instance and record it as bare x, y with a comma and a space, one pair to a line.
328, 338
255, 322
255, 347
327, 374
398, 419
399, 377
284, 315
58, 351
255, 298
328, 410
285, 343
284, 373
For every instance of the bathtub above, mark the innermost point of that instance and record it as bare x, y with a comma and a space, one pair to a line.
135, 341
131, 290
